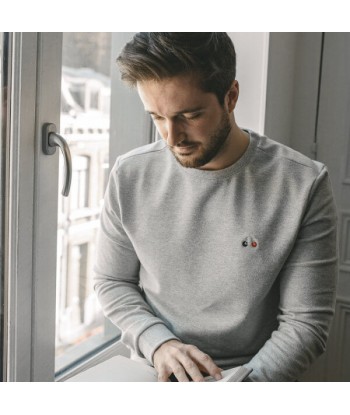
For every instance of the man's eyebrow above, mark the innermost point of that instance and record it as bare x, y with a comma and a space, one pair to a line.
189, 110
184, 111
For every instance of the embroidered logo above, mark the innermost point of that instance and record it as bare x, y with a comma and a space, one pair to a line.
249, 241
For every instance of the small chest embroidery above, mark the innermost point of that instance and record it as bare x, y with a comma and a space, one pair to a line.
250, 242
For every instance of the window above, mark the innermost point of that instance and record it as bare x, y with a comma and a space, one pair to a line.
80, 325
57, 327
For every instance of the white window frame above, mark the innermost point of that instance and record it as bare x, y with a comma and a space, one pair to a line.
19, 210
32, 197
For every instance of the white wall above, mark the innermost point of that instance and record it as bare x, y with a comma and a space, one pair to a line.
252, 51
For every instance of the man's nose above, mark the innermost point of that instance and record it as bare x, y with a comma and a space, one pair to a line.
174, 133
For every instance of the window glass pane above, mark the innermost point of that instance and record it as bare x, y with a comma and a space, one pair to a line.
85, 115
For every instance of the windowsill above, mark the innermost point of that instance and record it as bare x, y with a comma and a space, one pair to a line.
88, 354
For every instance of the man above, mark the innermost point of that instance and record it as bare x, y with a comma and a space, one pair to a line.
217, 246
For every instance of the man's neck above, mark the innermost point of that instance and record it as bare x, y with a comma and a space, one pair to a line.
232, 150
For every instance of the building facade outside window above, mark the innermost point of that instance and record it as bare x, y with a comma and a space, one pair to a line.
85, 119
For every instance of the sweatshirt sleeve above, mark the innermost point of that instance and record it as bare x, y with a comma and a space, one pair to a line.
307, 292
116, 281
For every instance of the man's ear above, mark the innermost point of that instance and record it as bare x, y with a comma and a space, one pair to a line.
232, 96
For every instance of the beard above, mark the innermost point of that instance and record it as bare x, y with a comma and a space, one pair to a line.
204, 154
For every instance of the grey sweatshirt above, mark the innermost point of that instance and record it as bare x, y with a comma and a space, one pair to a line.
240, 262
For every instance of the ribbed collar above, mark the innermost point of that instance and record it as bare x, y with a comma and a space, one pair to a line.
227, 171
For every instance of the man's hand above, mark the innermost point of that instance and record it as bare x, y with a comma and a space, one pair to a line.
182, 360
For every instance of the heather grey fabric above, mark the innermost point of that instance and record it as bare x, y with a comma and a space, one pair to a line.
240, 262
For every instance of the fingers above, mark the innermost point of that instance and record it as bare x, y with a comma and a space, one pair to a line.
181, 369
191, 368
173, 367
205, 363
184, 361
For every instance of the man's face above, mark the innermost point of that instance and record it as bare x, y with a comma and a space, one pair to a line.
192, 122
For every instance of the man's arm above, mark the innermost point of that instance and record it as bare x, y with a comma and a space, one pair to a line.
307, 293
116, 280
117, 287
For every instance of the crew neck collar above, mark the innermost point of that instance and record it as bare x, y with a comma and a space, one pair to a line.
227, 171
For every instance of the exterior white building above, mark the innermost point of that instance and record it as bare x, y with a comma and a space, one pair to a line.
85, 126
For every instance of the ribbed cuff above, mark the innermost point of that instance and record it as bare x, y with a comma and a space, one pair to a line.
152, 338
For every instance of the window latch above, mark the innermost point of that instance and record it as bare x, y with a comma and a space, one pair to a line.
50, 140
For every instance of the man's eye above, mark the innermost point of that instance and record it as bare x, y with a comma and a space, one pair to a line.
193, 116
156, 118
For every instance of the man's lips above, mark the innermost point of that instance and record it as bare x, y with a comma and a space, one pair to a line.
184, 149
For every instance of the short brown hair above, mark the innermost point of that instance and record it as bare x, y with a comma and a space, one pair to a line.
160, 55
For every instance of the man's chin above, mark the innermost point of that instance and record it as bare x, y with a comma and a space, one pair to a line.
189, 161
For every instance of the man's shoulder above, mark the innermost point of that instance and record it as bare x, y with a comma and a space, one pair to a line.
140, 153
140, 157
287, 157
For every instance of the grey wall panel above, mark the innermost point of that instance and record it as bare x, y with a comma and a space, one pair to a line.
338, 369
292, 89
306, 84
130, 125
280, 86
333, 142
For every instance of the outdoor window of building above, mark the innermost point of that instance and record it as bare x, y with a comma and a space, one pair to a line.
80, 325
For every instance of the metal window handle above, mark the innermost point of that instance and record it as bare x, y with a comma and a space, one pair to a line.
50, 141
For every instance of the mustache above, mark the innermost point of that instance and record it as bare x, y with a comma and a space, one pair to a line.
179, 145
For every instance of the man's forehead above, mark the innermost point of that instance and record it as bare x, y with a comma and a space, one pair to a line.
175, 95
